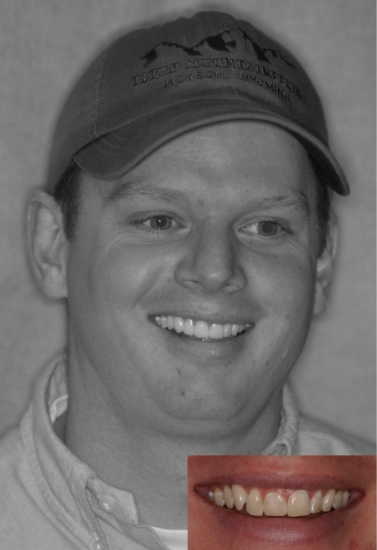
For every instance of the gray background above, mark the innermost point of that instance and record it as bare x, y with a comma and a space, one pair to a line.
44, 43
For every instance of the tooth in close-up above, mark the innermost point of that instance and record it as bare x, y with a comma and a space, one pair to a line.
277, 503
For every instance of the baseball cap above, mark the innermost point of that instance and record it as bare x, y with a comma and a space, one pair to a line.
152, 85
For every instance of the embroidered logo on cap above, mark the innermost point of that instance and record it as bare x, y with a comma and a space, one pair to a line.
231, 55
223, 42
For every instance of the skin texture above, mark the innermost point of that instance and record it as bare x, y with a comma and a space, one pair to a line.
356, 531
142, 399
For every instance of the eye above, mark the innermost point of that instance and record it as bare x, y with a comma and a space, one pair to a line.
156, 223
160, 222
265, 228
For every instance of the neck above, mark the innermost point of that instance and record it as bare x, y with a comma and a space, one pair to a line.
150, 464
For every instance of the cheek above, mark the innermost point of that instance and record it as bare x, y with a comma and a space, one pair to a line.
129, 274
284, 285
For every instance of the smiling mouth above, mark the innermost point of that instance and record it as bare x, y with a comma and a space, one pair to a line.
277, 502
200, 330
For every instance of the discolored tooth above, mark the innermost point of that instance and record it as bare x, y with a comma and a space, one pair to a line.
179, 324
227, 330
218, 497
327, 500
164, 321
201, 329
345, 498
275, 505
298, 504
337, 500
189, 327
228, 496
216, 332
170, 322
234, 330
254, 503
239, 496
158, 321
316, 503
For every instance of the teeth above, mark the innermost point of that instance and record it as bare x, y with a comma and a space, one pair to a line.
345, 498
228, 496
275, 503
298, 504
189, 327
316, 503
328, 500
179, 324
337, 500
254, 503
218, 497
200, 329
239, 495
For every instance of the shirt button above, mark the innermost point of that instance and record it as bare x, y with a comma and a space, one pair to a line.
108, 504
96, 544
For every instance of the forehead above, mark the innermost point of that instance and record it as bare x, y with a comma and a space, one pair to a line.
223, 160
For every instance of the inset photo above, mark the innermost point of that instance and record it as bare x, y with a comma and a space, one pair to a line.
281, 502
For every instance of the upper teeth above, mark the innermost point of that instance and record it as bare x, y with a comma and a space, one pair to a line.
200, 329
276, 503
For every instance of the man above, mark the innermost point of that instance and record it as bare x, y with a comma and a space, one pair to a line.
187, 223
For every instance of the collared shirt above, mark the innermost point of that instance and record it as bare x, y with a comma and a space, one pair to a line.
49, 499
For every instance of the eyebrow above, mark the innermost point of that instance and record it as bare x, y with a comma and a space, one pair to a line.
133, 190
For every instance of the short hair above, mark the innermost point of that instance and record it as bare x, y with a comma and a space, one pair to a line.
67, 194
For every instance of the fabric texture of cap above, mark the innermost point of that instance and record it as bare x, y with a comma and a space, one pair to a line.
152, 85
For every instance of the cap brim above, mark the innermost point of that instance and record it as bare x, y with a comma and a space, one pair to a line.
116, 153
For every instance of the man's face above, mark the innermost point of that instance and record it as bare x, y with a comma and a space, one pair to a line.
217, 226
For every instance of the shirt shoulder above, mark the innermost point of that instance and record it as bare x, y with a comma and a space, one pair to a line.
318, 438
16, 486
25, 520
13, 460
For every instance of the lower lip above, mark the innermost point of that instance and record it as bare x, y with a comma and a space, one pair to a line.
283, 531
206, 349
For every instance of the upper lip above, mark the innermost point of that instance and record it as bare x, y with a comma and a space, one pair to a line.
281, 480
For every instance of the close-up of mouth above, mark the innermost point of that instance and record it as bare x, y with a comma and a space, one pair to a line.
279, 502
199, 330
279, 516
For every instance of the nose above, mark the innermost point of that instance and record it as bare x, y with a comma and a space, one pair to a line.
210, 263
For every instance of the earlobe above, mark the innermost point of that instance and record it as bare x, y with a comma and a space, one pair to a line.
325, 266
48, 245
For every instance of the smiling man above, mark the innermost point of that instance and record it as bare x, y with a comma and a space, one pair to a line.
187, 223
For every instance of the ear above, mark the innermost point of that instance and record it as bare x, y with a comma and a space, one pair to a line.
325, 266
48, 245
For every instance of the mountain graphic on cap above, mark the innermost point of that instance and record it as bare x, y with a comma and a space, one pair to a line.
218, 43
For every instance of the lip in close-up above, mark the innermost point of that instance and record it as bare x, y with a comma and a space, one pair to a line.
265, 486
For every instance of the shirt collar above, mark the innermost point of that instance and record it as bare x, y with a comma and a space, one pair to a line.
285, 439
